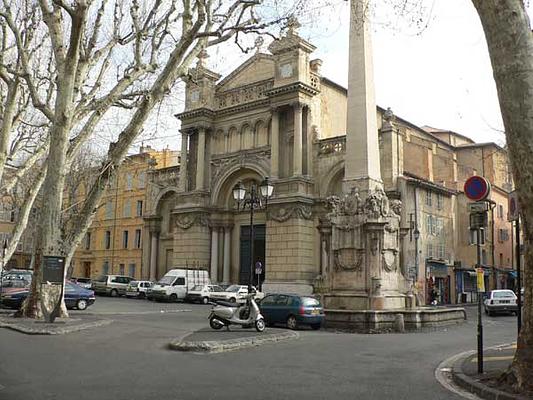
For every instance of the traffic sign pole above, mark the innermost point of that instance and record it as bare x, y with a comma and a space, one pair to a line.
479, 314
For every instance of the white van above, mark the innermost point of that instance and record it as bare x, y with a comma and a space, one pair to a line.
177, 282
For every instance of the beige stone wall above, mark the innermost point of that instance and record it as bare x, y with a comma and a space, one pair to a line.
333, 103
192, 246
290, 251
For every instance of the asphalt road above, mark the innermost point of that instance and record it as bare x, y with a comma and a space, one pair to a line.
129, 360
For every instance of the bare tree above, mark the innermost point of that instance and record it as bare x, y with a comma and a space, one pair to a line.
510, 42
87, 57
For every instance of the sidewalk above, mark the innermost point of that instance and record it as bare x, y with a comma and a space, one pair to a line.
210, 341
496, 361
59, 327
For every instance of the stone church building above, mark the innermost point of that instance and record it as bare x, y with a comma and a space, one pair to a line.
276, 116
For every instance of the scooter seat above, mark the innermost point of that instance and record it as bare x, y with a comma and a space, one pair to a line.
228, 304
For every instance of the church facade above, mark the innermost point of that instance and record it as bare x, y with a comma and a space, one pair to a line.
276, 116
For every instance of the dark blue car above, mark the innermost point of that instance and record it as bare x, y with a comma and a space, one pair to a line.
292, 310
75, 297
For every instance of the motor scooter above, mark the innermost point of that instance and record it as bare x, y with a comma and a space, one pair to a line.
246, 314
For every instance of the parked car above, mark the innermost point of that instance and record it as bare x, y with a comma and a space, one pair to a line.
202, 293
138, 289
292, 310
112, 285
83, 282
75, 296
502, 300
17, 274
177, 282
235, 294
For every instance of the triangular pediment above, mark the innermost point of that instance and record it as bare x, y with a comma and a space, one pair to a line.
258, 68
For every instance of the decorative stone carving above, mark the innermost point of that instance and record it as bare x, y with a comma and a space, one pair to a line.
350, 204
222, 164
389, 258
396, 207
185, 221
244, 94
283, 214
349, 259
377, 204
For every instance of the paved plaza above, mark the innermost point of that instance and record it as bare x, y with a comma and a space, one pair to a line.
130, 359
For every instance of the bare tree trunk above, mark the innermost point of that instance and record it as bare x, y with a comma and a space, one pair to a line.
510, 42
7, 122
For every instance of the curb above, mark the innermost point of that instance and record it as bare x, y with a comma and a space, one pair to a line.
473, 386
220, 346
53, 330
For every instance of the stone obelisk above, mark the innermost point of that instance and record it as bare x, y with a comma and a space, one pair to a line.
362, 168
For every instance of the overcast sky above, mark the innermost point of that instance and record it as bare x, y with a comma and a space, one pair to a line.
438, 76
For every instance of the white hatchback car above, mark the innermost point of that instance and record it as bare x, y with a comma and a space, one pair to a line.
138, 289
235, 294
202, 293
502, 300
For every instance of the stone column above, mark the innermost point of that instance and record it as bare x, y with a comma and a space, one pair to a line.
200, 159
214, 254
183, 162
297, 147
153, 255
309, 139
227, 254
274, 146
362, 165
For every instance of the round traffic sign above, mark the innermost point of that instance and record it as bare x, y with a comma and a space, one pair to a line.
477, 188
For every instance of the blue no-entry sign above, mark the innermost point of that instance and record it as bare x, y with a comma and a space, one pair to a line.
477, 188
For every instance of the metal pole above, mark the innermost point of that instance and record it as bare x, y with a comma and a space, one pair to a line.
518, 276
479, 317
252, 203
2, 271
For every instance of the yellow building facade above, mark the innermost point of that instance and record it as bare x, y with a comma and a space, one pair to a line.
114, 243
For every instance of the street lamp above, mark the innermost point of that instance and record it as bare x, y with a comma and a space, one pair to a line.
255, 200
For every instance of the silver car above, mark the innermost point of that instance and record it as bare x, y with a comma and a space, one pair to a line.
112, 285
501, 301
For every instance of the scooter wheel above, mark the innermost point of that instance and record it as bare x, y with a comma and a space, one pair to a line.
216, 323
260, 325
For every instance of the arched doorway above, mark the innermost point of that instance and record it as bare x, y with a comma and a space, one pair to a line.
237, 265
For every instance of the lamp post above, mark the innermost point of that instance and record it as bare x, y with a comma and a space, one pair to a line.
253, 200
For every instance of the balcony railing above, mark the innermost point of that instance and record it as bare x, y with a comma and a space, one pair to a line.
165, 176
332, 146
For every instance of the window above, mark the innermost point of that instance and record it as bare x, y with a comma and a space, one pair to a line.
139, 208
473, 236
121, 272
131, 270
179, 282
441, 251
503, 235
125, 235
434, 225
439, 201
129, 181
142, 180
484, 257
137, 238
105, 268
87, 240
109, 210
500, 211
107, 240
501, 259
429, 201
126, 211
429, 250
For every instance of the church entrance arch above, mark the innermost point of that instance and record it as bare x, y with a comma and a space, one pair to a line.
231, 242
